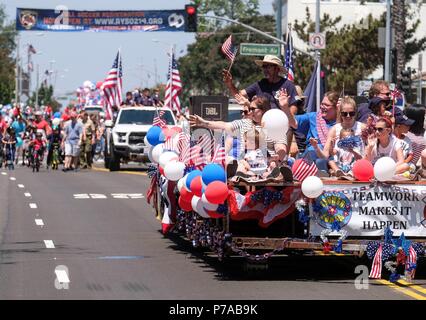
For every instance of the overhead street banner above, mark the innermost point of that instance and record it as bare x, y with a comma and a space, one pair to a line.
63, 19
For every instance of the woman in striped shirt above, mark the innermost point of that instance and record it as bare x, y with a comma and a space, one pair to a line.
416, 133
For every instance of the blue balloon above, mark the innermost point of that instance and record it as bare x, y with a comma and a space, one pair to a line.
213, 172
190, 177
154, 135
57, 115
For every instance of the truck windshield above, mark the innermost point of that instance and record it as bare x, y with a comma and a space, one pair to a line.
144, 117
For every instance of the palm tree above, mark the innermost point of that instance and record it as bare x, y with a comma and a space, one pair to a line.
399, 11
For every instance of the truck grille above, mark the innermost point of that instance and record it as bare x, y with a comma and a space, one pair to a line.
137, 137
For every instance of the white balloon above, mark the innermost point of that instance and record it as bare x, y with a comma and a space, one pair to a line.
151, 159
184, 182
174, 170
87, 84
180, 184
312, 187
145, 140
156, 152
207, 205
384, 169
275, 122
167, 157
56, 121
197, 206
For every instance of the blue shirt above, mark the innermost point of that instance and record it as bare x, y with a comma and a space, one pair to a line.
264, 87
307, 125
18, 127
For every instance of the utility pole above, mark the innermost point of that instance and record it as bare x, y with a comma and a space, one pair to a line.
317, 55
279, 21
17, 82
420, 80
388, 40
37, 84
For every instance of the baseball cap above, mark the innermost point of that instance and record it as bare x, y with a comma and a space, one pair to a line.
403, 119
376, 101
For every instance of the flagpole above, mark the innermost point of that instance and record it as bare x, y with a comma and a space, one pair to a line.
171, 77
118, 77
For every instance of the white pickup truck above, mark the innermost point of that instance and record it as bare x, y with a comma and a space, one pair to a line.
125, 140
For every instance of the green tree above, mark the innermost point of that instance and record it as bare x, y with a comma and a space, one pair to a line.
45, 97
351, 54
201, 68
7, 62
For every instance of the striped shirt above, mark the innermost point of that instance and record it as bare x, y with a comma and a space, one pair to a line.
418, 144
242, 127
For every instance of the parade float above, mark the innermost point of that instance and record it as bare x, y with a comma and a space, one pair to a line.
375, 214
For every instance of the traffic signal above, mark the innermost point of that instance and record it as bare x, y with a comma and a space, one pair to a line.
191, 18
406, 80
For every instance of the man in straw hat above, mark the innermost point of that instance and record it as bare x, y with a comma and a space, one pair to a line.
269, 86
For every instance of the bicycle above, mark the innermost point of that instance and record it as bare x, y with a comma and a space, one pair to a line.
35, 159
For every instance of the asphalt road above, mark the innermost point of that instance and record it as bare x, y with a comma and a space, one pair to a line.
95, 230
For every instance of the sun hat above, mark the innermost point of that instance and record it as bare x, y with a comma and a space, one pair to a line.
270, 59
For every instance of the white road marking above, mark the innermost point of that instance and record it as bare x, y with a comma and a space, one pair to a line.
81, 196
12, 178
62, 276
127, 195
98, 196
39, 222
49, 244
27, 194
136, 196
33, 206
4, 173
21, 186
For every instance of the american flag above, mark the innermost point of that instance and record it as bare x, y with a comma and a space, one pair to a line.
289, 65
376, 267
183, 144
303, 168
228, 49
412, 260
112, 85
219, 152
157, 121
198, 151
173, 87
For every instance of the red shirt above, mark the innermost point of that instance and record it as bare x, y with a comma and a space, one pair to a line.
44, 126
3, 125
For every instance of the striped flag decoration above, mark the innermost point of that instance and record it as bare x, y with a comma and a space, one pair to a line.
173, 87
303, 168
157, 121
411, 261
112, 86
219, 153
198, 151
289, 64
183, 144
376, 267
228, 49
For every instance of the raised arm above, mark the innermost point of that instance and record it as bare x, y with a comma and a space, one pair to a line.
197, 121
283, 101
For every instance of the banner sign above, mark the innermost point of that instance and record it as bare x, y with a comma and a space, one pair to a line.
63, 19
364, 210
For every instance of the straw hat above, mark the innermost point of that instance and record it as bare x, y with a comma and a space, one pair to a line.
270, 59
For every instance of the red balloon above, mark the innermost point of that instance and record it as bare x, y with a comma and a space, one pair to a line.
216, 192
197, 186
184, 205
363, 170
186, 195
99, 84
168, 132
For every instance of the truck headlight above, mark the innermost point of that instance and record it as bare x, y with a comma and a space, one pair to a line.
121, 137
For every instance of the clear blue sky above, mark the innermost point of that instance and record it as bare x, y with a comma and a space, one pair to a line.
80, 56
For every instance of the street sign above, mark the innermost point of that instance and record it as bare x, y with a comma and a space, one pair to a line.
317, 40
259, 49
363, 86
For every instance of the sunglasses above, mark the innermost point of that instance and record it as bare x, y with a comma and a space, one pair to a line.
379, 129
267, 66
245, 112
348, 114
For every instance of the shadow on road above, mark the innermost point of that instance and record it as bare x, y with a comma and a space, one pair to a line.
289, 268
